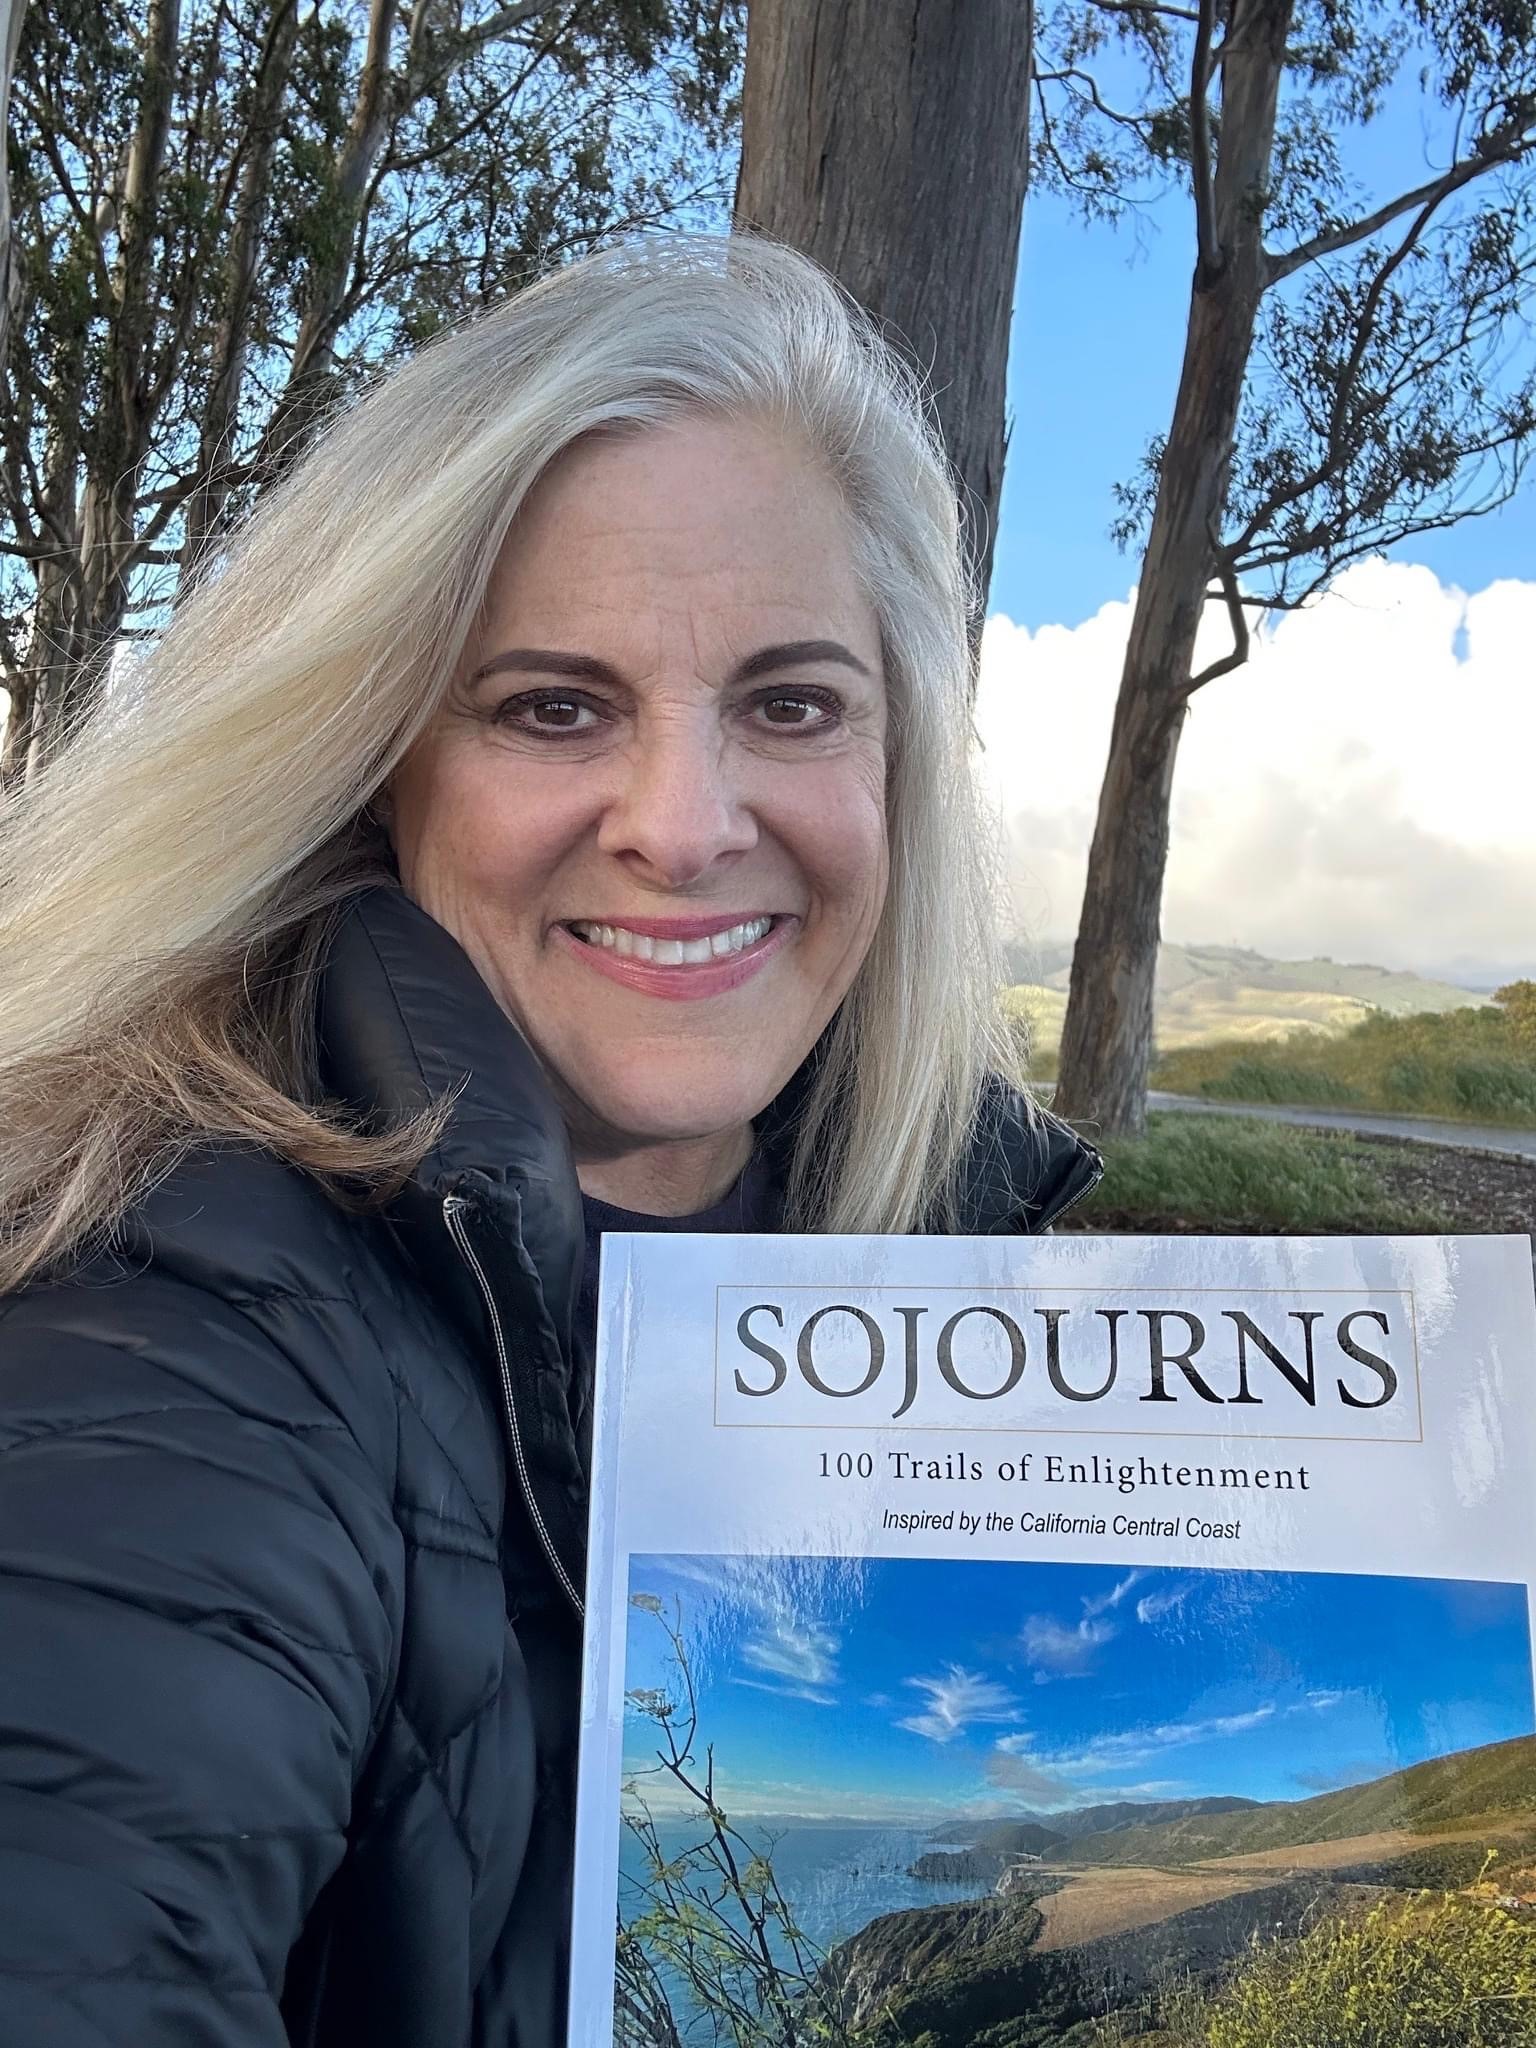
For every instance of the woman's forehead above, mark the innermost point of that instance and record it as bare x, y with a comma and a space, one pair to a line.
719, 528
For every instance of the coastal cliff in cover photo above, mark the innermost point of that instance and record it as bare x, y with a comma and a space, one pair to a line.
942, 1803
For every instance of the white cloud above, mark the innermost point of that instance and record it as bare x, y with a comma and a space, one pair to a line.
1133, 1746
1104, 1602
1057, 1651
781, 1799
796, 1659
1360, 789
1156, 1605
957, 1700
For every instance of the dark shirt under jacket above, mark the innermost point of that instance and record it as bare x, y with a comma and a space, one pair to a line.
754, 1203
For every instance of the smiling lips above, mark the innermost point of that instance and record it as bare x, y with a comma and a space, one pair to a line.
681, 958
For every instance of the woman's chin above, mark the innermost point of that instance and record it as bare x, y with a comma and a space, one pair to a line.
687, 1112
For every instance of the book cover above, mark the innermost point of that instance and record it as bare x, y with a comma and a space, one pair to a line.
1070, 1641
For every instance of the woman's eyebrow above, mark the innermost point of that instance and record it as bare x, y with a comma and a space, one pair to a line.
794, 654
551, 661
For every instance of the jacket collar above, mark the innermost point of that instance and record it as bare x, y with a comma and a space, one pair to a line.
1025, 1167
405, 1020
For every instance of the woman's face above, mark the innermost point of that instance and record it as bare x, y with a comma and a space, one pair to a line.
653, 812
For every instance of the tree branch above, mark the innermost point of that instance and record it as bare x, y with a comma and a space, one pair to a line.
1240, 638
45, 128
1207, 242
504, 19
1070, 74
1507, 146
1134, 7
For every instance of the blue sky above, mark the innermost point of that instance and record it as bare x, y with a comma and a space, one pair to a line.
1097, 336
913, 1689
1360, 790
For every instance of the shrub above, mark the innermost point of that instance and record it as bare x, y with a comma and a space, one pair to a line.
1428, 1972
1410, 1082
1475, 1062
1517, 999
1270, 1080
1493, 1087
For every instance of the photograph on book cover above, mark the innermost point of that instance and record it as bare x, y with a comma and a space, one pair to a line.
883, 1800
1037, 1644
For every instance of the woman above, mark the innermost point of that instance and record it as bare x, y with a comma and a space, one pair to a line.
555, 814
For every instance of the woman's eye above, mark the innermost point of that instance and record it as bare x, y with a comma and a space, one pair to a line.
799, 710
553, 712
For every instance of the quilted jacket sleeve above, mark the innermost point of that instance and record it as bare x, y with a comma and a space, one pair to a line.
199, 1596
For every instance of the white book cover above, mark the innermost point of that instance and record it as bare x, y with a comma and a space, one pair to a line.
1061, 1641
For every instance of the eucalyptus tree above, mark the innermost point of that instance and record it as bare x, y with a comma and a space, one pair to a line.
1357, 364
227, 215
889, 140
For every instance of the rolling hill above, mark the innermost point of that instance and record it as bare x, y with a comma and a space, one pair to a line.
1039, 1833
1225, 992
1429, 1797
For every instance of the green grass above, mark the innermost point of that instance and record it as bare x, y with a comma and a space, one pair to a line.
1474, 1065
1226, 1173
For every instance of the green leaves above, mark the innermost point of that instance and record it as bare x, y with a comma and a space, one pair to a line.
364, 224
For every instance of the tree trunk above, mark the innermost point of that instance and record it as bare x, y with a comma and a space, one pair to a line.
888, 140
74, 663
53, 633
1106, 1046
12, 15
303, 400
205, 510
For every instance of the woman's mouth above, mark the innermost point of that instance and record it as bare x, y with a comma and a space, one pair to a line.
673, 952
682, 958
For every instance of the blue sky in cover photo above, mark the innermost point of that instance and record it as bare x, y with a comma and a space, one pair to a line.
905, 1690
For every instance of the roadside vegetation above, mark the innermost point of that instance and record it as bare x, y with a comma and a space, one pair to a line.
1475, 1065
1225, 1173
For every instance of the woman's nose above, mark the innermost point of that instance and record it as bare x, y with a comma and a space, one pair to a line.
678, 805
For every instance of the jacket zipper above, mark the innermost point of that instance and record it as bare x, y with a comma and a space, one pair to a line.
453, 1207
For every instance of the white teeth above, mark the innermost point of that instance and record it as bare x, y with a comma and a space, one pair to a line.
617, 938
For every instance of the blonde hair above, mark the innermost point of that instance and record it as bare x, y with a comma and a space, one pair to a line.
167, 886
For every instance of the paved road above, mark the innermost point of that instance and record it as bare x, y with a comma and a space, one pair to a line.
1428, 1130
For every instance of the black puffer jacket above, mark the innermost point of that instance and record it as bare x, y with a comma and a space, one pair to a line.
291, 1528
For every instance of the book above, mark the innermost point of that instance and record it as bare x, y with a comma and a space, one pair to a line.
1070, 1640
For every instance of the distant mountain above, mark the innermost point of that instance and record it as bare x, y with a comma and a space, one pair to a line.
1211, 992
1005, 1838
1429, 1797
1038, 1833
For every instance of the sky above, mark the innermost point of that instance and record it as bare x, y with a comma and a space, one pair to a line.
1360, 789
923, 1690
1093, 364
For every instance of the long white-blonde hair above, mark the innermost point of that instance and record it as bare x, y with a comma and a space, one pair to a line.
168, 883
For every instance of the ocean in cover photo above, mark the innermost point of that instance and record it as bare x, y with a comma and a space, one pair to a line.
871, 1803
